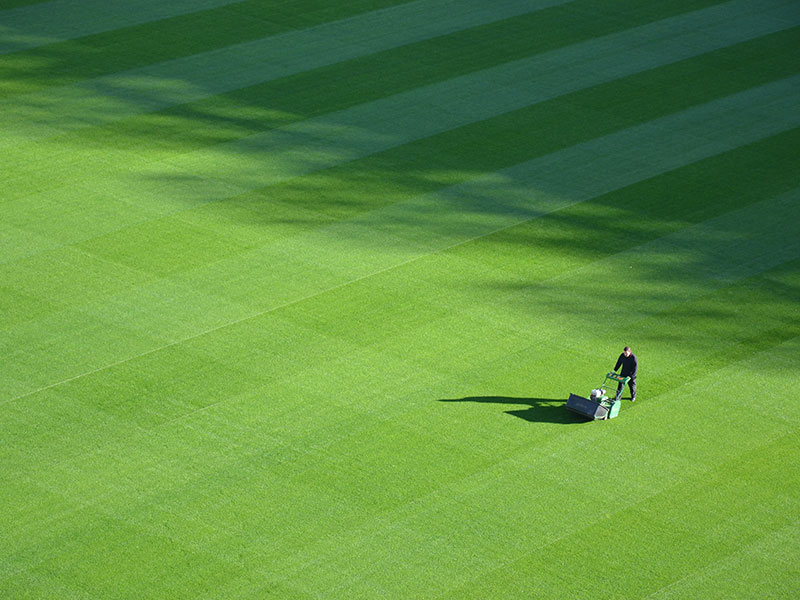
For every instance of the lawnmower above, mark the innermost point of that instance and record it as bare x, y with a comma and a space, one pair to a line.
598, 406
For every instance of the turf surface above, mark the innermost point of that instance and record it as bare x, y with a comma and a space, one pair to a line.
293, 294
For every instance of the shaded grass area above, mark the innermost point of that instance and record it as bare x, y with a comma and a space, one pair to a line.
346, 84
647, 210
454, 156
397, 174
539, 410
70, 61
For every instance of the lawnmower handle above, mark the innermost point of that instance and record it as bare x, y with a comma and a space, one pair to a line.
615, 377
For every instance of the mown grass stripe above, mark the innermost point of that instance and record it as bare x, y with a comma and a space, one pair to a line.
113, 97
47, 22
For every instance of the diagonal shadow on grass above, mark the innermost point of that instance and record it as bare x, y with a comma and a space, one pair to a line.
539, 410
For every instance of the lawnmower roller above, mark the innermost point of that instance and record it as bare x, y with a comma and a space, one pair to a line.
598, 406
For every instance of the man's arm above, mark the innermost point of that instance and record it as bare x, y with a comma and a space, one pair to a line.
635, 365
619, 363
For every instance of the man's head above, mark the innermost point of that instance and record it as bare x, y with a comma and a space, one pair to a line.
627, 351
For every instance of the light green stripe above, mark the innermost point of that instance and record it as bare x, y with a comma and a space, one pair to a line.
114, 97
39, 24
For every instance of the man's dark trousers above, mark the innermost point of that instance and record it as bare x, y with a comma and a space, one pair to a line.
631, 386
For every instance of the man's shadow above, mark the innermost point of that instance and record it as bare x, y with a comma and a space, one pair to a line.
539, 410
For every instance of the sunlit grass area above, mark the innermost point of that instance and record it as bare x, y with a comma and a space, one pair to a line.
293, 296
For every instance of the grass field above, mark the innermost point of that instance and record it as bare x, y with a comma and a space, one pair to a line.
293, 295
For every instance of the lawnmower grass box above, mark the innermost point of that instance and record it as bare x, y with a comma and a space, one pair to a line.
592, 410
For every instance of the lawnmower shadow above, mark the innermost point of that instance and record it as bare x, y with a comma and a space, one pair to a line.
540, 410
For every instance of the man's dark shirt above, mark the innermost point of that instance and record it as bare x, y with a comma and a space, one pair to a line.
629, 365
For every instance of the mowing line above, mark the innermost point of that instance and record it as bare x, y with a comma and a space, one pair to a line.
212, 330
760, 107
789, 534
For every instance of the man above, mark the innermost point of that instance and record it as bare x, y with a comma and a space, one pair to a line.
630, 366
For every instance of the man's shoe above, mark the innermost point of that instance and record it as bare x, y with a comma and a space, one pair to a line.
633, 399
